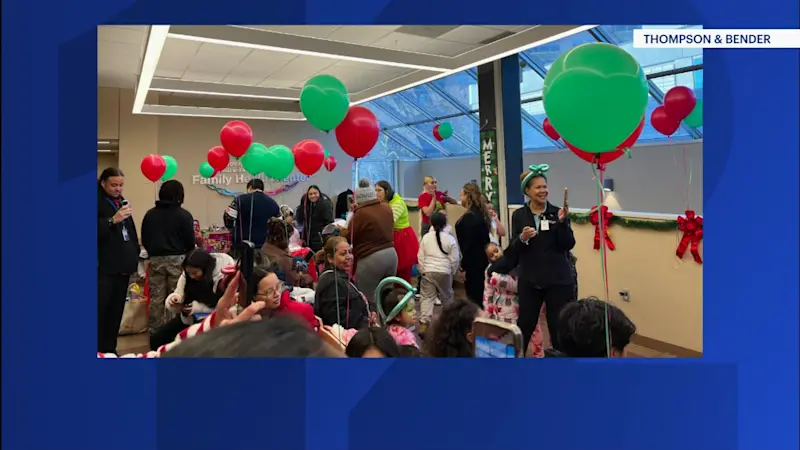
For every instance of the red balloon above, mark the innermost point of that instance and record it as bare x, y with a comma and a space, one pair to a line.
236, 137
436, 133
330, 163
549, 130
153, 167
358, 132
218, 158
663, 122
308, 156
607, 157
679, 102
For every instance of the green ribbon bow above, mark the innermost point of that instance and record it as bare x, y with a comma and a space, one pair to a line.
534, 170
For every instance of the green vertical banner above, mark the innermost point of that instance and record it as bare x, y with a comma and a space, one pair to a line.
489, 181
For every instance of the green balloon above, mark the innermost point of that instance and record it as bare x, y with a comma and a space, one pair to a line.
445, 130
172, 167
695, 118
206, 171
324, 102
595, 96
327, 153
254, 161
279, 162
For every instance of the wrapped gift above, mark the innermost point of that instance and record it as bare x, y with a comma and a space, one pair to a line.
217, 241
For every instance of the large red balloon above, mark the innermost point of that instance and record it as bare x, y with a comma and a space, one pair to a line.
308, 156
663, 122
358, 132
153, 167
679, 102
436, 134
218, 158
549, 130
330, 163
607, 157
236, 136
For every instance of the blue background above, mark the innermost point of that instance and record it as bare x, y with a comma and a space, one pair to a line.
742, 394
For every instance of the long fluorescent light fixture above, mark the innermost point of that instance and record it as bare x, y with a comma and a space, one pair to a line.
502, 55
225, 94
305, 52
220, 113
152, 53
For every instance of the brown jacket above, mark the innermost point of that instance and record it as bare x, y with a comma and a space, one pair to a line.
286, 262
370, 228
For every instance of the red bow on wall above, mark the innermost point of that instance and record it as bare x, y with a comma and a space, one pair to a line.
692, 227
607, 215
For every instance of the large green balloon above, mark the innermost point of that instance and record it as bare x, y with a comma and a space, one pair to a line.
255, 160
445, 130
279, 162
324, 102
694, 119
206, 171
172, 167
595, 95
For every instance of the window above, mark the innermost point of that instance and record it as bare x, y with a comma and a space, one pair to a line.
375, 171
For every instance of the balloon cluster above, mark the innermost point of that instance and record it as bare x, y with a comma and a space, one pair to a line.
325, 103
156, 167
442, 131
680, 104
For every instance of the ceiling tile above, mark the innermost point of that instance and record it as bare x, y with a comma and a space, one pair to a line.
400, 41
470, 34
358, 79
168, 73
278, 83
262, 62
447, 48
354, 65
243, 80
303, 68
108, 33
203, 76
361, 34
177, 54
317, 31
208, 48
212, 61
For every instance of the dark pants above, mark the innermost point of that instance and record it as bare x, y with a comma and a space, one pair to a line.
112, 291
166, 333
473, 285
531, 299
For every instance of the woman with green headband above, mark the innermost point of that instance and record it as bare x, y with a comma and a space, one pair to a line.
541, 240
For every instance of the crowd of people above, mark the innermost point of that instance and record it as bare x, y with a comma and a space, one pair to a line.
336, 279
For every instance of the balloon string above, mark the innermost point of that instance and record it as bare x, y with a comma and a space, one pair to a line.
155, 192
687, 178
603, 262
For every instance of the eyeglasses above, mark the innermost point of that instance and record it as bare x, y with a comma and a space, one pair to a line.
272, 292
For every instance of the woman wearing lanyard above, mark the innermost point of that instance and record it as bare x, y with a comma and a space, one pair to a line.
541, 241
117, 256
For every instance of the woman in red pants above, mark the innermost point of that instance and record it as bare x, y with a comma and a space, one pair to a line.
406, 243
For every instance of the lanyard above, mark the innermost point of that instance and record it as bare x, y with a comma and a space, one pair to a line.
114, 205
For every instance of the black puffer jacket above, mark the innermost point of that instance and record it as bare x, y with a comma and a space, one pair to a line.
313, 217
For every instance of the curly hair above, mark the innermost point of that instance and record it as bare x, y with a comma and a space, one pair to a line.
448, 335
474, 202
278, 232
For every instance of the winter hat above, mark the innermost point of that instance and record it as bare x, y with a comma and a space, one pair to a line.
365, 191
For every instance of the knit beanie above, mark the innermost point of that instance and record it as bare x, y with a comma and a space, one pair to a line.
365, 191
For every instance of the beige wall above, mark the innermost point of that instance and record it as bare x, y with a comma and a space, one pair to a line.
105, 160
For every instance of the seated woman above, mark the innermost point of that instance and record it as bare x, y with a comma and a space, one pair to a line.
265, 286
373, 342
276, 248
198, 290
451, 335
337, 299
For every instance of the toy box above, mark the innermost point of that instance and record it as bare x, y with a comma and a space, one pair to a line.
217, 241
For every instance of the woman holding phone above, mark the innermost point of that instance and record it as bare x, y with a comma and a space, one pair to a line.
541, 239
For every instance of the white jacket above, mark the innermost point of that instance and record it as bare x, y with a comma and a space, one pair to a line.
223, 260
431, 259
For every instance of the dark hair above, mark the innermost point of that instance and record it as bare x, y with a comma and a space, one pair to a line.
373, 337
582, 328
283, 336
202, 260
410, 351
448, 335
278, 232
386, 188
259, 273
438, 222
256, 184
108, 173
202, 290
390, 298
313, 186
171, 191
475, 203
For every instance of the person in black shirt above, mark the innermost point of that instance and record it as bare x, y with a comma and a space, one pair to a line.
313, 214
541, 238
472, 232
167, 235
117, 256
248, 214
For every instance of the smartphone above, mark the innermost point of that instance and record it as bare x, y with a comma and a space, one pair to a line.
309, 256
245, 267
566, 202
125, 203
496, 339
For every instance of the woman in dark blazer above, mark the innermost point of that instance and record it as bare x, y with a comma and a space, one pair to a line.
472, 232
541, 240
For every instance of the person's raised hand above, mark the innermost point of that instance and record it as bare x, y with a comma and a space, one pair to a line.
122, 214
174, 300
563, 213
223, 315
493, 214
527, 233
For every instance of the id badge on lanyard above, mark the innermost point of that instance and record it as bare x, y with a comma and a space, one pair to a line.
125, 236
544, 224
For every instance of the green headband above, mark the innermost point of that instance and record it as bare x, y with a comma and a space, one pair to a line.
403, 302
534, 170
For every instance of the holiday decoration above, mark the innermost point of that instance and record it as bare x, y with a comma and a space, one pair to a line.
206, 171
695, 118
358, 132
153, 167
445, 130
606, 216
309, 155
663, 122
171, 169
228, 193
255, 160
279, 162
330, 163
236, 137
679, 102
218, 158
436, 134
549, 130
692, 227
324, 101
